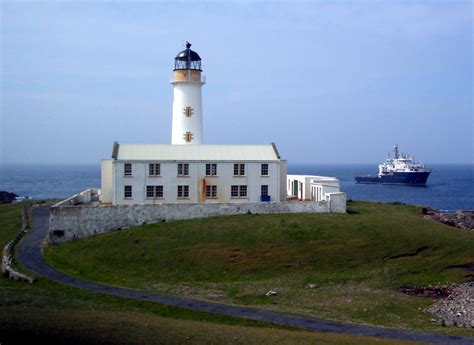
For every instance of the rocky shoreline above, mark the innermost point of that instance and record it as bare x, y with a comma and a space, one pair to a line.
457, 309
6, 197
462, 219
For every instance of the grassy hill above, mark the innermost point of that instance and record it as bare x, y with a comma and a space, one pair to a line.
357, 261
59, 314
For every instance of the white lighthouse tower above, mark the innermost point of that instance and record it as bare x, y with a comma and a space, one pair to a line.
187, 101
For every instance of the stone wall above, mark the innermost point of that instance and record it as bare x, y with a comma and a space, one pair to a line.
8, 253
72, 222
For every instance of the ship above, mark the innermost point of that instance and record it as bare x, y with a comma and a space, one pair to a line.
399, 169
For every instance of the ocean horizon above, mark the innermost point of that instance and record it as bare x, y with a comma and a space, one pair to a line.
449, 187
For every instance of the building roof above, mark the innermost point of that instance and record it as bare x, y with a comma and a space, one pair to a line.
145, 152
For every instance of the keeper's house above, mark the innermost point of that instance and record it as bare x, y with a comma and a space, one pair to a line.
151, 174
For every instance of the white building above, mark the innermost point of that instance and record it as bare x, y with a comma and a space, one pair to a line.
311, 188
148, 174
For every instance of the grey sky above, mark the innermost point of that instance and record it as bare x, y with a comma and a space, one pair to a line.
327, 81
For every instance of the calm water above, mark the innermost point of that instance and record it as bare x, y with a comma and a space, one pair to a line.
449, 186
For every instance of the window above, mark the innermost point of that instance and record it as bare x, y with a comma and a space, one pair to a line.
183, 192
238, 191
158, 191
264, 190
127, 169
188, 137
211, 169
154, 191
239, 169
154, 169
188, 111
127, 191
211, 192
264, 169
183, 169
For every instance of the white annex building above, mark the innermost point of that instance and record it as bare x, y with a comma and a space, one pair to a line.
189, 172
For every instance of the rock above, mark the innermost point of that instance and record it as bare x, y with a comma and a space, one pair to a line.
271, 293
312, 286
448, 323
457, 309
7, 198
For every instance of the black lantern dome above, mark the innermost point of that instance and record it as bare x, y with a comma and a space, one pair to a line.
187, 59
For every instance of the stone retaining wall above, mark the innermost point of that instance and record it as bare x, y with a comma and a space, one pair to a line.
72, 222
7, 255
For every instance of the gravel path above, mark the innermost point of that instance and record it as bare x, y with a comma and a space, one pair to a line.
30, 255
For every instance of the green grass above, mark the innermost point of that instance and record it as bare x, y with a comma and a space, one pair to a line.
59, 314
358, 261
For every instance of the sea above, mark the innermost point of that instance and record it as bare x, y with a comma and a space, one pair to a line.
449, 187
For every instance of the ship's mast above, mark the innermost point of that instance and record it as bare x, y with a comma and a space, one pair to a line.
395, 149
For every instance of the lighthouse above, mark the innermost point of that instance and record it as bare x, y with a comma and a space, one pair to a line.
187, 82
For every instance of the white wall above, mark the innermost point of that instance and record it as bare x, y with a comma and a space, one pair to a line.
282, 177
187, 94
303, 182
197, 173
321, 185
106, 191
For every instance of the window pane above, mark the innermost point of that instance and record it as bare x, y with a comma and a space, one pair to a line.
128, 191
180, 191
186, 191
214, 169
264, 169
243, 191
151, 170
159, 191
157, 169
180, 169
264, 190
208, 169
127, 169
186, 169
234, 191
150, 191
242, 169
236, 169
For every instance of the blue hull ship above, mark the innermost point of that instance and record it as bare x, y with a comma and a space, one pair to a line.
402, 169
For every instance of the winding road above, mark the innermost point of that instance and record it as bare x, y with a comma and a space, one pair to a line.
31, 256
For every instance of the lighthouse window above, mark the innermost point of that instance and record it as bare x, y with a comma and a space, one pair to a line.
188, 137
188, 111
127, 169
211, 169
183, 169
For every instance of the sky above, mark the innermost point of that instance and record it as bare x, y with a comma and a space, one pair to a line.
328, 81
